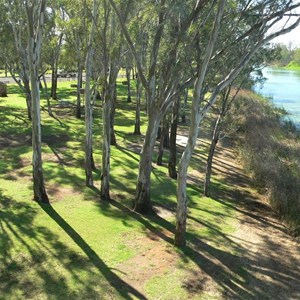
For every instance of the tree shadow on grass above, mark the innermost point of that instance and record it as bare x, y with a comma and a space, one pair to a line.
121, 286
244, 203
15, 139
15, 89
14, 120
232, 266
48, 262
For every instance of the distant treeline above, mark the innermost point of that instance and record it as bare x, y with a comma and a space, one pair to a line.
287, 57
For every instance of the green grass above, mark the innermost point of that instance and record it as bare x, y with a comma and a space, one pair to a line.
293, 66
2, 73
79, 247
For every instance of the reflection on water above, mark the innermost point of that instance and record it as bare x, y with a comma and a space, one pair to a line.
283, 88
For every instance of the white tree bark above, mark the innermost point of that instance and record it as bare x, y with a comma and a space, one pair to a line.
193, 133
35, 20
197, 114
89, 161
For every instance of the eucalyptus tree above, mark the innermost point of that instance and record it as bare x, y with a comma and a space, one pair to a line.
172, 163
111, 47
246, 27
222, 126
219, 126
15, 50
26, 20
6, 40
169, 24
54, 36
128, 70
89, 161
138, 29
75, 26
35, 12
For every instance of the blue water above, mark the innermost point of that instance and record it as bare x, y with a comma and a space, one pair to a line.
282, 87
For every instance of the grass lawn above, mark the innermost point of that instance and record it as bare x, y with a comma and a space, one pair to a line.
82, 248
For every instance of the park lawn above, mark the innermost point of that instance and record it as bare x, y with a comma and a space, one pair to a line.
82, 248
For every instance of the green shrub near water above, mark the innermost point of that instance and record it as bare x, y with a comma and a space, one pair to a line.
270, 151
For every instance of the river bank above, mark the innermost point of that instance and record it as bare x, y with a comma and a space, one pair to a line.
269, 150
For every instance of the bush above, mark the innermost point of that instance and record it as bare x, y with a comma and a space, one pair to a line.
3, 89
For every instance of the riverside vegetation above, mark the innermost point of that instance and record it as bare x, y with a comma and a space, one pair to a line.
288, 58
80, 247
269, 149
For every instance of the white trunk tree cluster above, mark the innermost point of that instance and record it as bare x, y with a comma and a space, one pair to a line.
182, 44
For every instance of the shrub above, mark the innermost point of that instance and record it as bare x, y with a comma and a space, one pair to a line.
3, 89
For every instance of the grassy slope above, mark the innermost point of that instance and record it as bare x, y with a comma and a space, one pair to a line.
82, 248
293, 66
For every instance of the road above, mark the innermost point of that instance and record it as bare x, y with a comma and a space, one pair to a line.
9, 79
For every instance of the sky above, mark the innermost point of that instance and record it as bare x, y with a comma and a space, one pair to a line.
292, 37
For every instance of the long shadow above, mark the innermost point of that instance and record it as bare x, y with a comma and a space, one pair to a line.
15, 89
243, 204
124, 289
194, 252
17, 232
233, 272
62, 124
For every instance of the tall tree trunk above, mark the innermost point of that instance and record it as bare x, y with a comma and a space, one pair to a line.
137, 123
34, 51
78, 94
47, 96
113, 140
163, 138
128, 84
28, 99
54, 82
89, 160
89, 182
173, 135
211, 152
142, 199
105, 174
184, 105
40, 194
196, 117
182, 180
55, 68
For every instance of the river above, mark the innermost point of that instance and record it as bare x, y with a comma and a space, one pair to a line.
282, 87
